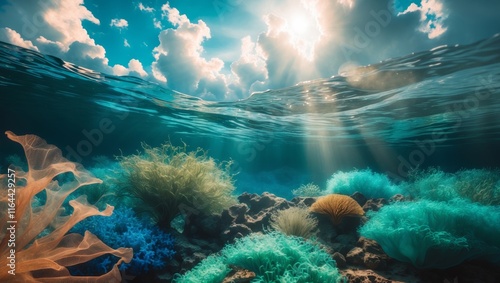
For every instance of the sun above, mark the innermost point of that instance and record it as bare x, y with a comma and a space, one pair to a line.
303, 27
300, 24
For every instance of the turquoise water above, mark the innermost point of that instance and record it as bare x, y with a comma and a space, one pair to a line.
440, 108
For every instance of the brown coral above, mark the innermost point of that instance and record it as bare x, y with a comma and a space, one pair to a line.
337, 206
45, 259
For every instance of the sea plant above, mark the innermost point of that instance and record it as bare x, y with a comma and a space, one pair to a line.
27, 255
436, 234
273, 257
294, 221
337, 207
168, 180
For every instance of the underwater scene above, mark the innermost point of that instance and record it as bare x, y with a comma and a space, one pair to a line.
384, 171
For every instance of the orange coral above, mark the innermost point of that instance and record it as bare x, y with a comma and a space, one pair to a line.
337, 206
45, 259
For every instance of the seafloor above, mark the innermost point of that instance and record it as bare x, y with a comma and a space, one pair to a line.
358, 259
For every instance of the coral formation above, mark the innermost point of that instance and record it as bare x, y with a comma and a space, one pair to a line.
308, 190
367, 182
477, 185
337, 207
44, 259
430, 234
152, 247
273, 257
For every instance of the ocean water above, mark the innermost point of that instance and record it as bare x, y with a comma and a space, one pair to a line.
439, 107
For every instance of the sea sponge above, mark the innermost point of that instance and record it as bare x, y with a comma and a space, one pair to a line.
294, 221
337, 207
431, 234
45, 259
367, 182
476, 185
168, 180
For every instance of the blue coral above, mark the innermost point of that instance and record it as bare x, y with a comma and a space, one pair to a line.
152, 247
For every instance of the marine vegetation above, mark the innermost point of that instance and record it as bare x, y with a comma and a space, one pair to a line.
432, 234
367, 182
477, 185
294, 221
152, 247
337, 207
167, 181
273, 257
307, 190
35, 258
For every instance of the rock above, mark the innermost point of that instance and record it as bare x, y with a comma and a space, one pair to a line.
339, 259
374, 204
370, 246
359, 198
235, 231
374, 262
355, 256
342, 248
191, 261
306, 201
365, 276
209, 226
396, 198
239, 276
238, 212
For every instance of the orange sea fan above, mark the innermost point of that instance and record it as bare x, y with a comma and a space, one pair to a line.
337, 206
45, 259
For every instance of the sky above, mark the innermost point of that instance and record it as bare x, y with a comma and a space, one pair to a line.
228, 49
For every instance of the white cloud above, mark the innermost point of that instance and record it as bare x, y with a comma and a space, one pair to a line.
157, 23
145, 8
55, 27
125, 43
120, 70
432, 17
13, 37
65, 18
179, 60
250, 69
119, 23
286, 61
135, 68
135, 65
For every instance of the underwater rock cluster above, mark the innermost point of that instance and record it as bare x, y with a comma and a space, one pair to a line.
358, 258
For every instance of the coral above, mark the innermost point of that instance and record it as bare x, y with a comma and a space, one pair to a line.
431, 184
44, 259
337, 206
294, 221
367, 182
477, 185
432, 234
273, 257
213, 269
168, 180
107, 191
152, 247
309, 190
